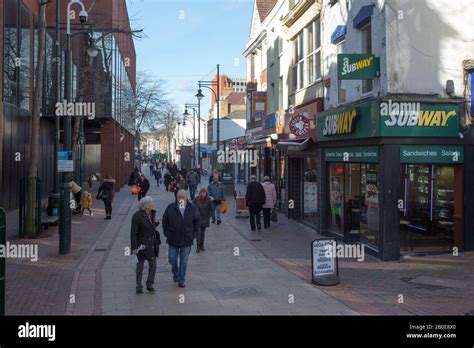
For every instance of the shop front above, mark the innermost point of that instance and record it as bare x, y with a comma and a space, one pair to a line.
393, 177
298, 160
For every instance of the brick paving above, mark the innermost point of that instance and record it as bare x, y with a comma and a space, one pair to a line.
44, 287
373, 287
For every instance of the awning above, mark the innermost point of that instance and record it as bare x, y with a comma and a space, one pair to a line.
261, 140
339, 34
293, 145
363, 16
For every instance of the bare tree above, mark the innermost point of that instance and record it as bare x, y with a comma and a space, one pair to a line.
166, 120
31, 225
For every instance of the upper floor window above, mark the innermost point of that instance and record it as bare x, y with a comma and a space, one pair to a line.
11, 60
306, 67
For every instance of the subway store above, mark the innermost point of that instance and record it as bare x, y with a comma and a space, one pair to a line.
394, 177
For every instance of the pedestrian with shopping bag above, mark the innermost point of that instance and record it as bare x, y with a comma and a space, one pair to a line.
270, 200
145, 242
216, 193
144, 185
206, 208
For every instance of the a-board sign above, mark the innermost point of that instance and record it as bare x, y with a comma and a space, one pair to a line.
324, 262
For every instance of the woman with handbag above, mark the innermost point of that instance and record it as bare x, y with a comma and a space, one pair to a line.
270, 200
216, 193
106, 194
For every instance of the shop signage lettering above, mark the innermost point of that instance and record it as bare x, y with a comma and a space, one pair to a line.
299, 125
324, 263
416, 119
342, 123
357, 66
431, 154
368, 154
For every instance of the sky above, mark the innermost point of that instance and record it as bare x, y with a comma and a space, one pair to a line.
186, 39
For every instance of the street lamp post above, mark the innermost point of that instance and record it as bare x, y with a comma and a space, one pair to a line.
186, 114
209, 84
65, 211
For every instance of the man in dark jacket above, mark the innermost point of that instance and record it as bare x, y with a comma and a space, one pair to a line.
134, 177
181, 224
192, 179
144, 186
145, 242
158, 177
255, 198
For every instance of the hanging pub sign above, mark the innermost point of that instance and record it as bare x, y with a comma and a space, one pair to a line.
357, 66
324, 262
299, 124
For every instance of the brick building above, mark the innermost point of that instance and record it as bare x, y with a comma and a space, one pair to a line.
108, 80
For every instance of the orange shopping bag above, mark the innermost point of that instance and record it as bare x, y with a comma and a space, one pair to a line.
223, 207
135, 189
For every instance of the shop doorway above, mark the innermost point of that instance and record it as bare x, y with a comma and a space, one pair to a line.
354, 202
295, 187
427, 222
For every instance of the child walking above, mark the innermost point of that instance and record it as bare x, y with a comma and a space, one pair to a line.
87, 203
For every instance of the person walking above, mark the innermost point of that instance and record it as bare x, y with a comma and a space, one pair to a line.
144, 185
216, 193
211, 177
192, 179
158, 177
87, 203
255, 198
152, 169
134, 177
167, 179
206, 208
181, 224
145, 242
77, 192
270, 200
106, 194
177, 184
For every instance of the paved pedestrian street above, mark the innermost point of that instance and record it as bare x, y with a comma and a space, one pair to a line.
230, 278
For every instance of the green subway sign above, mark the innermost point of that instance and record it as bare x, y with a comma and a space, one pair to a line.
413, 119
360, 154
357, 66
431, 154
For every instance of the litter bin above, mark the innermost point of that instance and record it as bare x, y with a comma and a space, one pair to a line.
53, 204
229, 185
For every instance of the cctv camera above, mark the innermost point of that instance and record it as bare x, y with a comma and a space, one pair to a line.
83, 16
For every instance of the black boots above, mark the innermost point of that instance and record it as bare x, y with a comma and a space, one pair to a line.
200, 247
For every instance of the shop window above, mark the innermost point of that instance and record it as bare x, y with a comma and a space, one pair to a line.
354, 202
25, 69
426, 219
10, 53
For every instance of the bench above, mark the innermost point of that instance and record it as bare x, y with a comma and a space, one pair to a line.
47, 220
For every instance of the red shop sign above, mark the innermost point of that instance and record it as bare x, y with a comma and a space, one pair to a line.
299, 125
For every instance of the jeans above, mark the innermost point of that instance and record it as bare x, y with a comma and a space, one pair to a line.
151, 272
255, 217
217, 213
192, 191
200, 239
266, 217
179, 271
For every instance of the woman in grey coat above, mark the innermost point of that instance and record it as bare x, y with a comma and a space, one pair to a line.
206, 208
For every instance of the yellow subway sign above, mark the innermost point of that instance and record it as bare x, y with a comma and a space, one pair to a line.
357, 66
341, 123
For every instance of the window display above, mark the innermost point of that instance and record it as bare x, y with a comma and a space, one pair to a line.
310, 190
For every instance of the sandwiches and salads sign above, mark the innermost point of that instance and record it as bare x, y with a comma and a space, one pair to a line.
389, 118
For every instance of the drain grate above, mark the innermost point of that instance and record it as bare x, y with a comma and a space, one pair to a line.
255, 240
98, 249
231, 292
